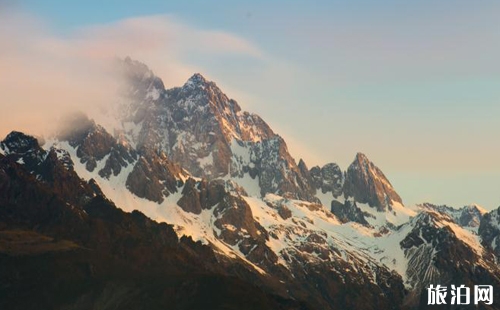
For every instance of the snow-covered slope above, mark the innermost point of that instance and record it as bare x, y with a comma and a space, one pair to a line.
273, 231
292, 225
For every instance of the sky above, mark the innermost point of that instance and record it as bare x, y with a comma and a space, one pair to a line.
415, 85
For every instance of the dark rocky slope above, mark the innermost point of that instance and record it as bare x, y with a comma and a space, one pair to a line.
91, 255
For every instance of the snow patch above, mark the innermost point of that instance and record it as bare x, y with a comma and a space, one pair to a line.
206, 161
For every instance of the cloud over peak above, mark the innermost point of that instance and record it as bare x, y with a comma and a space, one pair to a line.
45, 73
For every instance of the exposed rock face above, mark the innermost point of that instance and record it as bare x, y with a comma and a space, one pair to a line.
304, 171
329, 178
235, 216
93, 144
470, 216
467, 216
190, 200
151, 175
154, 176
368, 184
238, 228
348, 212
200, 195
204, 131
489, 230
53, 167
24, 148
201, 122
277, 171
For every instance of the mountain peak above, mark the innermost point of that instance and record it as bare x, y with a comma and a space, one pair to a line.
360, 157
135, 69
368, 184
475, 206
362, 162
19, 142
197, 80
198, 77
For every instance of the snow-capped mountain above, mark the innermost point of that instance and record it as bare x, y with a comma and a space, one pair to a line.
467, 216
200, 128
190, 157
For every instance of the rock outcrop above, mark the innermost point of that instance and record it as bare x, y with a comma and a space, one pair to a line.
366, 183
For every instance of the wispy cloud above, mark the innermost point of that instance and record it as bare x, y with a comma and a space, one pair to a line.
45, 74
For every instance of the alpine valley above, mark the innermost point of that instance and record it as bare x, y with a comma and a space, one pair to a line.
179, 199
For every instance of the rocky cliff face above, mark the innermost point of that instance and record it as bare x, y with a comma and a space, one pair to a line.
329, 178
348, 212
467, 216
206, 133
53, 167
154, 177
94, 144
489, 230
366, 183
440, 250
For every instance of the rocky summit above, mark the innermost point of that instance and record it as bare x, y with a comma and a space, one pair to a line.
366, 183
185, 201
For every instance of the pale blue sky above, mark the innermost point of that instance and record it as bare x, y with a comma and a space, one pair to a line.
415, 85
